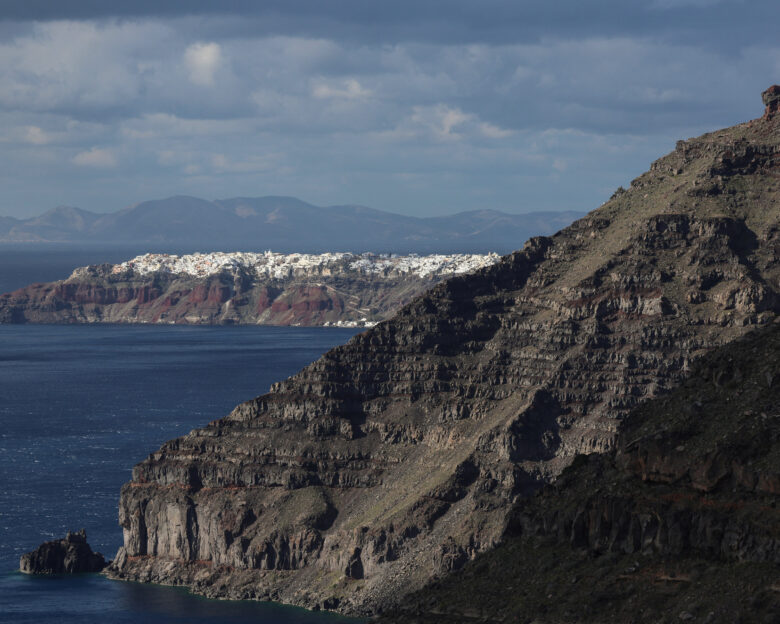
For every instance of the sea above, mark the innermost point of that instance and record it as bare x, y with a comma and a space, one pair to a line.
81, 404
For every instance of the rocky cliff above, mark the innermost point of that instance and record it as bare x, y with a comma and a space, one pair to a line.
680, 522
398, 456
251, 288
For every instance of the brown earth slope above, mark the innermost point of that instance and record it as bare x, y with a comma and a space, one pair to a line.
681, 522
398, 456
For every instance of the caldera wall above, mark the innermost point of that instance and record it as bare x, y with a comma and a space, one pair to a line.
398, 456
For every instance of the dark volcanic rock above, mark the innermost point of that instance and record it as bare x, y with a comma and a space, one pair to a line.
399, 456
684, 516
66, 556
771, 99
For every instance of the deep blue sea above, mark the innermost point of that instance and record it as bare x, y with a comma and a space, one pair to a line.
79, 406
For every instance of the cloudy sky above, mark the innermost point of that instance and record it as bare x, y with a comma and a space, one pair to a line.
415, 106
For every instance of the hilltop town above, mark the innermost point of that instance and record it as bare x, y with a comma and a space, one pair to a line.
266, 288
284, 266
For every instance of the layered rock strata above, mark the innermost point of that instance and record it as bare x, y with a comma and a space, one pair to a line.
71, 555
341, 289
682, 520
398, 456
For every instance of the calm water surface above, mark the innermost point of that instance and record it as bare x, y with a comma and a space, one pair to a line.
79, 405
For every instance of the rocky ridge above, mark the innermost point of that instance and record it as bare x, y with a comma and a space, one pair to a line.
680, 522
341, 289
398, 457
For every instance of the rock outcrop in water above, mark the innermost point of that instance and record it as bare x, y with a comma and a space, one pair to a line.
71, 555
399, 456
341, 289
683, 518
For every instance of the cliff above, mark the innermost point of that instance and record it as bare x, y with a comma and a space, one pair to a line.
681, 521
249, 288
399, 456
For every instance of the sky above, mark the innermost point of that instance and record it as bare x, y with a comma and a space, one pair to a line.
421, 107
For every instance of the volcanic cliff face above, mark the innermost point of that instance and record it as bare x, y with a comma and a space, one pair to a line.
398, 456
681, 522
247, 288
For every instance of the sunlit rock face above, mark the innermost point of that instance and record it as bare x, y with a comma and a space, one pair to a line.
398, 456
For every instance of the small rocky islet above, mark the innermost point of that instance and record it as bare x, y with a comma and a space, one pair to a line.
71, 555
586, 430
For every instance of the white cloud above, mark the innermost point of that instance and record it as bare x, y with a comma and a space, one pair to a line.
450, 118
445, 123
349, 89
75, 65
36, 136
95, 157
494, 132
441, 120
202, 61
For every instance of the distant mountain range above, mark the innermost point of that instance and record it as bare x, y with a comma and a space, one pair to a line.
284, 224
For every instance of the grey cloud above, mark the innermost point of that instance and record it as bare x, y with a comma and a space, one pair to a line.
455, 21
396, 106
